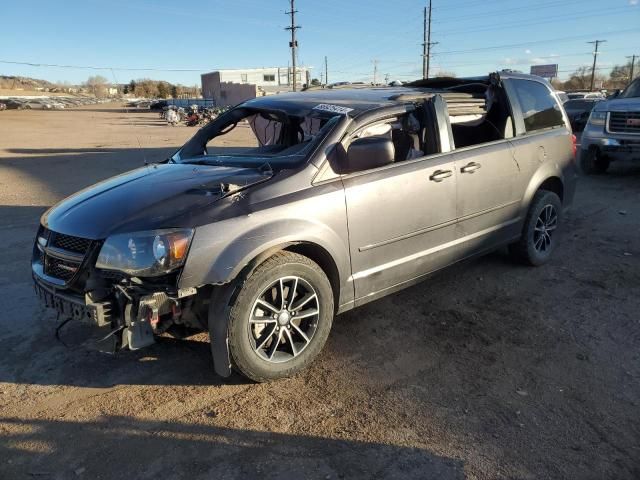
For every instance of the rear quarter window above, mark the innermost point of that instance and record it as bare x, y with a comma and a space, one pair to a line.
539, 107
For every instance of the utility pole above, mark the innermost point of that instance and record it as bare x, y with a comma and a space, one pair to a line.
326, 71
424, 45
293, 44
595, 55
426, 42
633, 63
375, 72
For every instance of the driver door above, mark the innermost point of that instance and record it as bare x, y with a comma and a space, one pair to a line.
401, 220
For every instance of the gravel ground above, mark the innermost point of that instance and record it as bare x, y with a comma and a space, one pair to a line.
487, 370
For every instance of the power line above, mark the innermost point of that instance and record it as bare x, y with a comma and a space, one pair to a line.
539, 42
540, 20
505, 11
90, 67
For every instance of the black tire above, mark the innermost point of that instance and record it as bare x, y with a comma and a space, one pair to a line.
538, 241
246, 356
593, 161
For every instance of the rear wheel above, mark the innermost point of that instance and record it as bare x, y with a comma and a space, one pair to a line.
539, 234
594, 162
281, 318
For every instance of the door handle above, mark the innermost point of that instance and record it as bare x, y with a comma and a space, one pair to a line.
470, 167
440, 175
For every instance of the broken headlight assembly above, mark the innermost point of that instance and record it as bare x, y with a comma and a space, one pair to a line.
145, 254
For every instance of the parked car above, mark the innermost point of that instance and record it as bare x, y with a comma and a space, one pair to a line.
612, 131
337, 198
13, 104
578, 111
158, 105
579, 95
36, 104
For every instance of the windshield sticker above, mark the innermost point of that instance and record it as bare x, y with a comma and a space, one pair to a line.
325, 107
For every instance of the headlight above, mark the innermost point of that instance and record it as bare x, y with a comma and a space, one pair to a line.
597, 118
145, 254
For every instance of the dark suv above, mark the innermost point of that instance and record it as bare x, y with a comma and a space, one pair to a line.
289, 209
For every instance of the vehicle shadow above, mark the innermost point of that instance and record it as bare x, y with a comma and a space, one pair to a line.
123, 447
60, 172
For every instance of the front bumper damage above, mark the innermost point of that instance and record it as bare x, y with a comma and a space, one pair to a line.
132, 315
132, 310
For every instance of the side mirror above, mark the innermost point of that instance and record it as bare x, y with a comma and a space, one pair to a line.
369, 152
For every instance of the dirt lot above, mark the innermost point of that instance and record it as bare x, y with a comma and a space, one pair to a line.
488, 370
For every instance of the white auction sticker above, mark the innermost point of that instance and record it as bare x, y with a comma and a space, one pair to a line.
332, 108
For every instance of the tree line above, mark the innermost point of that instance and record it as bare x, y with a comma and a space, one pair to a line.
618, 78
145, 87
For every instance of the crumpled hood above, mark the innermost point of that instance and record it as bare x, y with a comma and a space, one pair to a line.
154, 196
619, 105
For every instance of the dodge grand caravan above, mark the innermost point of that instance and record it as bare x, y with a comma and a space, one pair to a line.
290, 209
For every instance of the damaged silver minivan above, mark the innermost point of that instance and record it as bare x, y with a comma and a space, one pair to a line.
290, 209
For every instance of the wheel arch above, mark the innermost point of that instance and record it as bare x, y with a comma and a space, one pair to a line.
553, 184
216, 259
312, 251
551, 179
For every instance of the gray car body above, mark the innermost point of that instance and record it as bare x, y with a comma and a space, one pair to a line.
377, 231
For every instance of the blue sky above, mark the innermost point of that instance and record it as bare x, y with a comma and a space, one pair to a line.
474, 36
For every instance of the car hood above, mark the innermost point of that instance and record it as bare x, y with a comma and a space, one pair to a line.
154, 196
619, 105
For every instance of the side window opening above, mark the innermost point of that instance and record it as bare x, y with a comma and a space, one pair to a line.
479, 117
539, 106
405, 131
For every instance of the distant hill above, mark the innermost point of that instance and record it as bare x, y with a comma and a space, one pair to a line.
23, 83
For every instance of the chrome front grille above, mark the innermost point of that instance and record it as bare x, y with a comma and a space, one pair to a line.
624, 122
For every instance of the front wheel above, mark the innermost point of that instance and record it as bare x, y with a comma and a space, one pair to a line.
281, 318
540, 232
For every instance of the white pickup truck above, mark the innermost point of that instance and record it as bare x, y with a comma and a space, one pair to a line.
612, 131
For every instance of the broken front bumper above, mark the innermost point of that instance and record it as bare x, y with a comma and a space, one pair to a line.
133, 333
73, 306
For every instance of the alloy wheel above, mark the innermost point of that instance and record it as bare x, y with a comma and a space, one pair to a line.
546, 225
284, 319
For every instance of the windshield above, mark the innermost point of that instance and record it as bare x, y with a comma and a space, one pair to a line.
251, 137
633, 90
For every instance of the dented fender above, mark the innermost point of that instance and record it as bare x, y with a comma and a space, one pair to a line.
221, 250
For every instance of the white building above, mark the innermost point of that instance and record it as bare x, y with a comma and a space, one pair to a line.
230, 87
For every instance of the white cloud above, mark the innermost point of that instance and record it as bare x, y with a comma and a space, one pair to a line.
528, 52
633, 2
